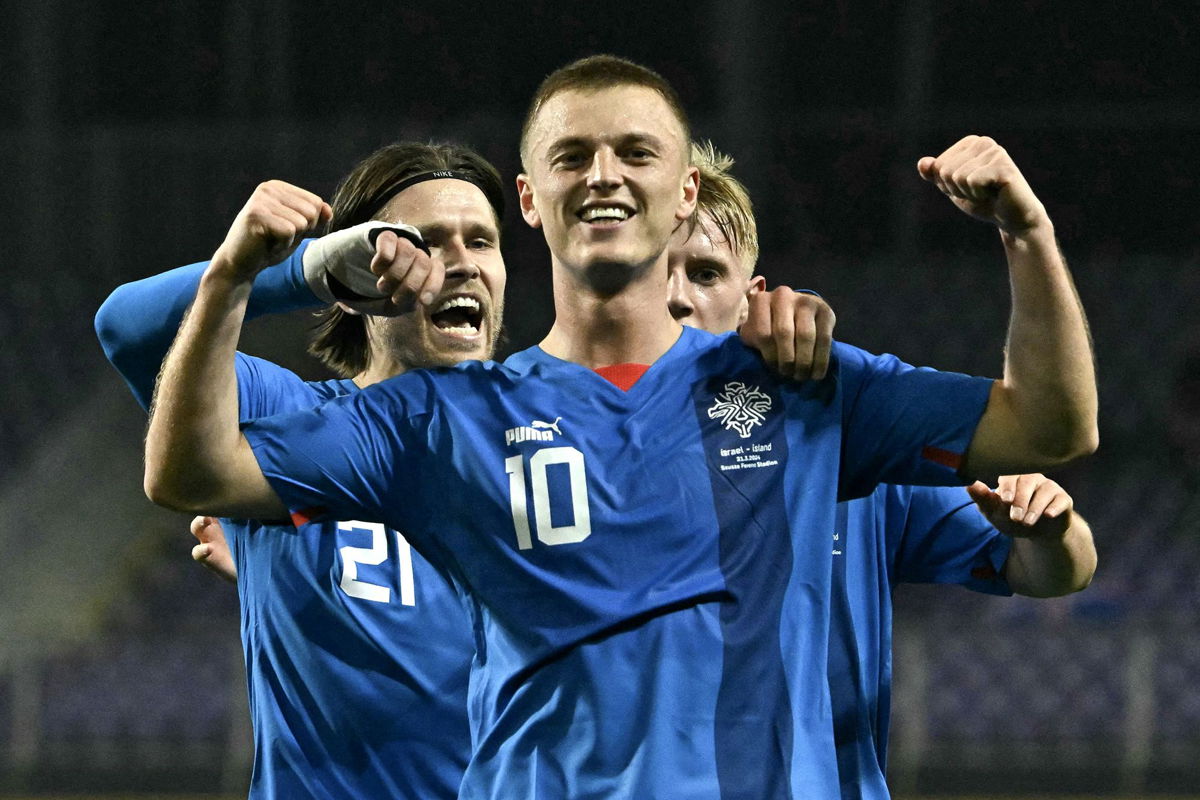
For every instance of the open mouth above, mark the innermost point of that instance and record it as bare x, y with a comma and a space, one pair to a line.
604, 215
458, 316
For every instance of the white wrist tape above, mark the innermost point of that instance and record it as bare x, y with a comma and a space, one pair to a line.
346, 255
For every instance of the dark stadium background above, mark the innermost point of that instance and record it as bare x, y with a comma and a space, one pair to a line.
131, 133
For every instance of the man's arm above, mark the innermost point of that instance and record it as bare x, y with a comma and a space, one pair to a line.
1052, 549
196, 457
139, 320
197, 460
1043, 412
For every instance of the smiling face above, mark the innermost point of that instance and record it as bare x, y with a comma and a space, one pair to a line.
608, 179
708, 283
460, 228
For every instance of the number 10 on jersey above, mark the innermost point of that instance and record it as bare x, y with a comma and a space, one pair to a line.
580, 526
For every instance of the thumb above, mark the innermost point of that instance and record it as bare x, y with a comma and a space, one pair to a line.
925, 167
987, 500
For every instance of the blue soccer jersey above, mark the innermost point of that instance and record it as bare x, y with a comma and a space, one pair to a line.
649, 569
357, 651
898, 534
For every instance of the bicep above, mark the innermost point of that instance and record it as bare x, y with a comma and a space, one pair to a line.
1000, 445
249, 493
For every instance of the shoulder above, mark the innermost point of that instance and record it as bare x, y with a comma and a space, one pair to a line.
848, 358
442, 384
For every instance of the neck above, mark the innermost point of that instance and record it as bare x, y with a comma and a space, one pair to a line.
380, 369
612, 316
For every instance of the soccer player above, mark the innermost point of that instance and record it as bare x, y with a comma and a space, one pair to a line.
631, 505
357, 650
1024, 537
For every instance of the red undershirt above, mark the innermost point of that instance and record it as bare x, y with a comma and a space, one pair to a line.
623, 376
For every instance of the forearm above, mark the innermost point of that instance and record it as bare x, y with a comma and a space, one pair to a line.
196, 457
1046, 404
139, 320
1052, 566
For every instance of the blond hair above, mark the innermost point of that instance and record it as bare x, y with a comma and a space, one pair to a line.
724, 199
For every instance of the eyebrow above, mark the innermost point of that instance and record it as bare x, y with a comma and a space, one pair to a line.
470, 229
705, 261
624, 140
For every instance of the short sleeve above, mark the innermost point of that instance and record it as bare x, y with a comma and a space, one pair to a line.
938, 535
265, 388
346, 459
903, 424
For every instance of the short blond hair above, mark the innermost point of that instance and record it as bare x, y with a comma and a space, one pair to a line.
726, 202
593, 74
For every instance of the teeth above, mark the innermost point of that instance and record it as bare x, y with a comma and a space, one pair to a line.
464, 330
458, 302
604, 212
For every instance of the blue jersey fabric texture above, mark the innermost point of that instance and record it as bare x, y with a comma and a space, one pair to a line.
898, 534
649, 571
357, 651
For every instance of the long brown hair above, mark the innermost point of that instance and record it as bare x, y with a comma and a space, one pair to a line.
340, 339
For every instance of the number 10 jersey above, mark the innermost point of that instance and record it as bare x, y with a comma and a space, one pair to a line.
648, 570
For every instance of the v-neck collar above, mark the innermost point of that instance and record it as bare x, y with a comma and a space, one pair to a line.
689, 339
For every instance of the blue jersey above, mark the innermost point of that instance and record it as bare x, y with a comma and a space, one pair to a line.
898, 534
649, 570
357, 651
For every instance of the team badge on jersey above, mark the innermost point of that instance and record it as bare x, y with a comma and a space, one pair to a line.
740, 408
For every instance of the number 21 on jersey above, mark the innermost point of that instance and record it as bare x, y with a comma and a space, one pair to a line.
373, 556
580, 525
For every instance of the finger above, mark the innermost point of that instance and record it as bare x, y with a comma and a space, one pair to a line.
988, 501
757, 328
1022, 493
201, 552
822, 339
977, 179
1042, 497
925, 168
308, 206
434, 281
198, 525
805, 325
409, 289
1060, 505
1005, 485
385, 252
783, 332
287, 225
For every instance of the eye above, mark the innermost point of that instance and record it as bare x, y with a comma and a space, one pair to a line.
639, 154
706, 276
480, 243
570, 159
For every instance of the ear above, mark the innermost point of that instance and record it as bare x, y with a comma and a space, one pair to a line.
691, 190
757, 284
528, 209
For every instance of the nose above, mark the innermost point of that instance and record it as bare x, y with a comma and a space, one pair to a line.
678, 299
459, 261
605, 172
